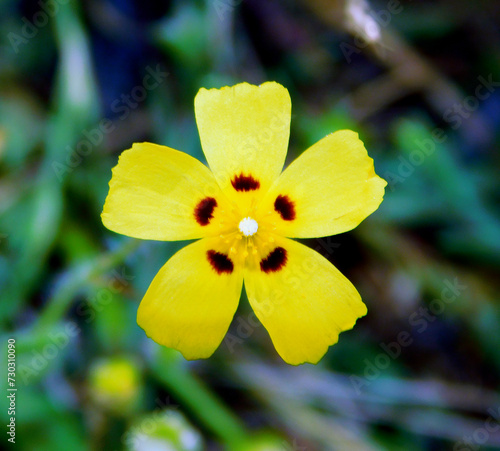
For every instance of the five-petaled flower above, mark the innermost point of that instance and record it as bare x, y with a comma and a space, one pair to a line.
245, 210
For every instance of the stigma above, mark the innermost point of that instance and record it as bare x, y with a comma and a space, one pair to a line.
248, 226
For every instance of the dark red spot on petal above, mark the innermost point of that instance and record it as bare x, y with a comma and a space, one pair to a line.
245, 183
285, 207
221, 263
275, 261
204, 211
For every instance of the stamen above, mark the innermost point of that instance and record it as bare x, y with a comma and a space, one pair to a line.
248, 226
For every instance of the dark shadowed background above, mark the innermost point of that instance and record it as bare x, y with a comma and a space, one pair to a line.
420, 82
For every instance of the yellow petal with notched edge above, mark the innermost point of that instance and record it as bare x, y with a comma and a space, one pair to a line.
155, 192
244, 130
330, 189
305, 304
189, 305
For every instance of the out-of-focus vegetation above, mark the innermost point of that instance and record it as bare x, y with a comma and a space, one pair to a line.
419, 81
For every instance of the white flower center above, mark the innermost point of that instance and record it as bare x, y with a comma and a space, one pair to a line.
248, 226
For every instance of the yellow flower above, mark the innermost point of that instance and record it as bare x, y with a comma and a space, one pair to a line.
245, 210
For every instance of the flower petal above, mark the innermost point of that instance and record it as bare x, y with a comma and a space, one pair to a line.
244, 131
329, 189
159, 193
303, 301
191, 301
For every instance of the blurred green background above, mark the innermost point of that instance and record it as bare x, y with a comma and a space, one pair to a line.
420, 83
